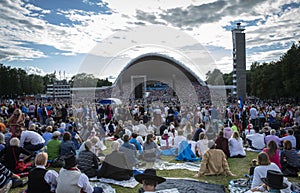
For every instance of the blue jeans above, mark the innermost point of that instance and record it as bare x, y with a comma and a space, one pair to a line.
31, 147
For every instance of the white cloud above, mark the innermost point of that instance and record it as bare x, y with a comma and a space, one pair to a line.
35, 70
22, 21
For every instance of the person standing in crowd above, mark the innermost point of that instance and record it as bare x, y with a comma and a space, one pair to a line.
253, 115
71, 180
108, 114
16, 121
46, 178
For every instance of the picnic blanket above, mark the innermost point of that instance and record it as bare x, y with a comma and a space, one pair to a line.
106, 188
187, 185
131, 183
164, 165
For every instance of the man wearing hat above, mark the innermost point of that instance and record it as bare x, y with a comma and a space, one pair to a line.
272, 183
149, 179
71, 180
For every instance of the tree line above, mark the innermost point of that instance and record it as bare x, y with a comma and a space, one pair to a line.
273, 80
15, 82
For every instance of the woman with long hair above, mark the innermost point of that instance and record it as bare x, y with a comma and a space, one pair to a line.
187, 129
289, 159
260, 171
235, 144
15, 121
202, 145
150, 149
273, 153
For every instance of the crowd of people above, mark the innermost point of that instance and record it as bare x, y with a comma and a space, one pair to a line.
77, 134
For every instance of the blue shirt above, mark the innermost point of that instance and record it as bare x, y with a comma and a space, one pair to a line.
47, 136
137, 144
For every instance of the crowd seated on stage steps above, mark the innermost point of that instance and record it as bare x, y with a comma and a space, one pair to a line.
153, 129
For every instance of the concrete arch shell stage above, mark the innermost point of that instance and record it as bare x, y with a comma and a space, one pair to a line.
161, 68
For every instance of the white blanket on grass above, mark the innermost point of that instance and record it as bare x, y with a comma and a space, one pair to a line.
164, 165
131, 183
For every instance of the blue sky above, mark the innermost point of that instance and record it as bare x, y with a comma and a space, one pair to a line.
43, 36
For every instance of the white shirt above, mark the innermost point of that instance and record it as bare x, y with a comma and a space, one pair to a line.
236, 147
253, 113
31, 137
261, 172
50, 177
142, 130
178, 139
83, 182
258, 140
290, 138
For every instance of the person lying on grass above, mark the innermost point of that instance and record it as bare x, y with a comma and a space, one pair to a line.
214, 162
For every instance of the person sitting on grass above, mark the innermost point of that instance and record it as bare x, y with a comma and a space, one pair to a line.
289, 160
88, 161
6, 177
46, 178
260, 171
149, 179
71, 180
53, 146
115, 165
214, 162
274, 181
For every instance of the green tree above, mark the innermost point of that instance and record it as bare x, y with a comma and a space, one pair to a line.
215, 77
83, 80
103, 82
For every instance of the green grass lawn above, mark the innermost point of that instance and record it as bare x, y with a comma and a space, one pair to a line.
238, 166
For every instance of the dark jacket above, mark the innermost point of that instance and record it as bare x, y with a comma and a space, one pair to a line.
222, 143
67, 147
36, 181
115, 166
9, 155
88, 163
